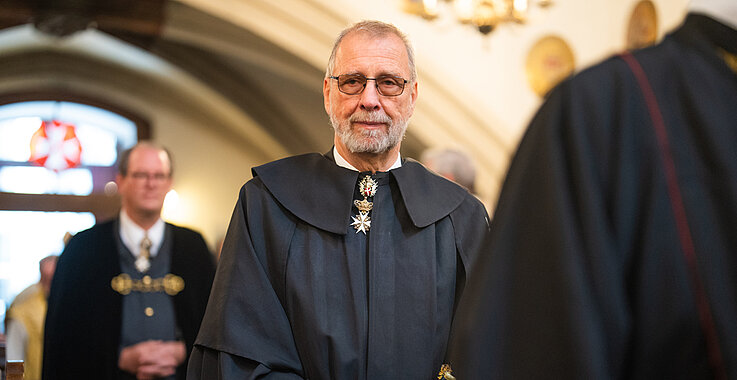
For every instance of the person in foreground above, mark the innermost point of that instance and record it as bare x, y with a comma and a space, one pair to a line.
613, 251
128, 295
345, 265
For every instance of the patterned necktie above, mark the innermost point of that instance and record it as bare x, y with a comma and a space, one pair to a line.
142, 262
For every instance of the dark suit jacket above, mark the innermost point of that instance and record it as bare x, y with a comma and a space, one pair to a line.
83, 322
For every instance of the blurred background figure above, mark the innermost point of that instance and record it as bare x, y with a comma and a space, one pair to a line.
24, 321
452, 164
129, 294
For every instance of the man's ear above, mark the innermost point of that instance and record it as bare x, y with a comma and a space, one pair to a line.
326, 94
413, 95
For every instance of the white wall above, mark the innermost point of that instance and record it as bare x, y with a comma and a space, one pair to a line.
483, 73
491, 102
488, 71
209, 173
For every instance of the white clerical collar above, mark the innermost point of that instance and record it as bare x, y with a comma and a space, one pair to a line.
132, 234
340, 161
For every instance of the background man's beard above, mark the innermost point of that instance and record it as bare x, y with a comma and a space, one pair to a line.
369, 141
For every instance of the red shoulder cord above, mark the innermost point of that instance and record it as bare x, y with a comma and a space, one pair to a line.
684, 233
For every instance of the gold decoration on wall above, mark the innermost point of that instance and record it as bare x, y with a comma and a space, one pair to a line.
549, 61
642, 30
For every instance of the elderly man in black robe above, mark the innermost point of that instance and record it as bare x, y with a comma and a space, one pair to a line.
613, 252
345, 265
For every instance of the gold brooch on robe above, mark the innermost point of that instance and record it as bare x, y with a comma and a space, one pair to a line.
124, 284
445, 373
362, 222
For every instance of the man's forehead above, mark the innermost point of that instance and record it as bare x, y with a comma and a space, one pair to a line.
146, 156
385, 48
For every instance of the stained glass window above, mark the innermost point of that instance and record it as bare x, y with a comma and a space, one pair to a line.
50, 150
29, 129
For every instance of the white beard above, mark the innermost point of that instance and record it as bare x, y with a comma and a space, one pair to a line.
369, 141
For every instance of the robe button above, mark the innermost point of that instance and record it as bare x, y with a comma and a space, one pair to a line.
149, 311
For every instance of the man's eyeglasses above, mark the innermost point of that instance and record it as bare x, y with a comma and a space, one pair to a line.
354, 84
141, 176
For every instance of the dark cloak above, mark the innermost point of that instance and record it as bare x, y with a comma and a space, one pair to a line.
586, 277
83, 322
300, 294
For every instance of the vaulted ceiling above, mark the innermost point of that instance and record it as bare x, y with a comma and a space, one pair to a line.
279, 91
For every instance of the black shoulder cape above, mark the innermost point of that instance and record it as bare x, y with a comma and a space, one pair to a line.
300, 294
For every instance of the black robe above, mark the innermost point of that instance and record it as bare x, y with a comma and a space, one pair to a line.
83, 322
586, 276
299, 293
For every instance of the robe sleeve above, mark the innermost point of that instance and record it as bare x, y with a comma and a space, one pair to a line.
246, 331
83, 314
56, 331
471, 224
547, 300
206, 363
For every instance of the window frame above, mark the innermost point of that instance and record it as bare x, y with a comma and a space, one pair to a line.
102, 206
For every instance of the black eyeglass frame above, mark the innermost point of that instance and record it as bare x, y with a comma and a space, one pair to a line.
376, 84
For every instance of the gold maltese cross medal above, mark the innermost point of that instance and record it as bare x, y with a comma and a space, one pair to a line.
362, 222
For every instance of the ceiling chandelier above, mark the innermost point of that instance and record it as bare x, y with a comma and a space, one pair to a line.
485, 15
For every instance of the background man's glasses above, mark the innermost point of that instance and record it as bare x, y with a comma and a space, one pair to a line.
354, 84
141, 176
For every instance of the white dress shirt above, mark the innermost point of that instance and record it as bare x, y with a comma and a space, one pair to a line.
340, 161
132, 234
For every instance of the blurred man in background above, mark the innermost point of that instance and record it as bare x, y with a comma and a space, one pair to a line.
452, 164
24, 321
129, 294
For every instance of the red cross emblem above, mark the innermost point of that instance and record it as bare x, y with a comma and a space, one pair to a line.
55, 146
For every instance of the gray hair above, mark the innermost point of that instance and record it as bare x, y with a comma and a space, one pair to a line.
451, 162
375, 29
126, 154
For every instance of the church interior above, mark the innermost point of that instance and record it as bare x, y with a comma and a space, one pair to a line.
227, 85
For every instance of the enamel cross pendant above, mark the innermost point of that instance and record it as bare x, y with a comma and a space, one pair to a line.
361, 222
